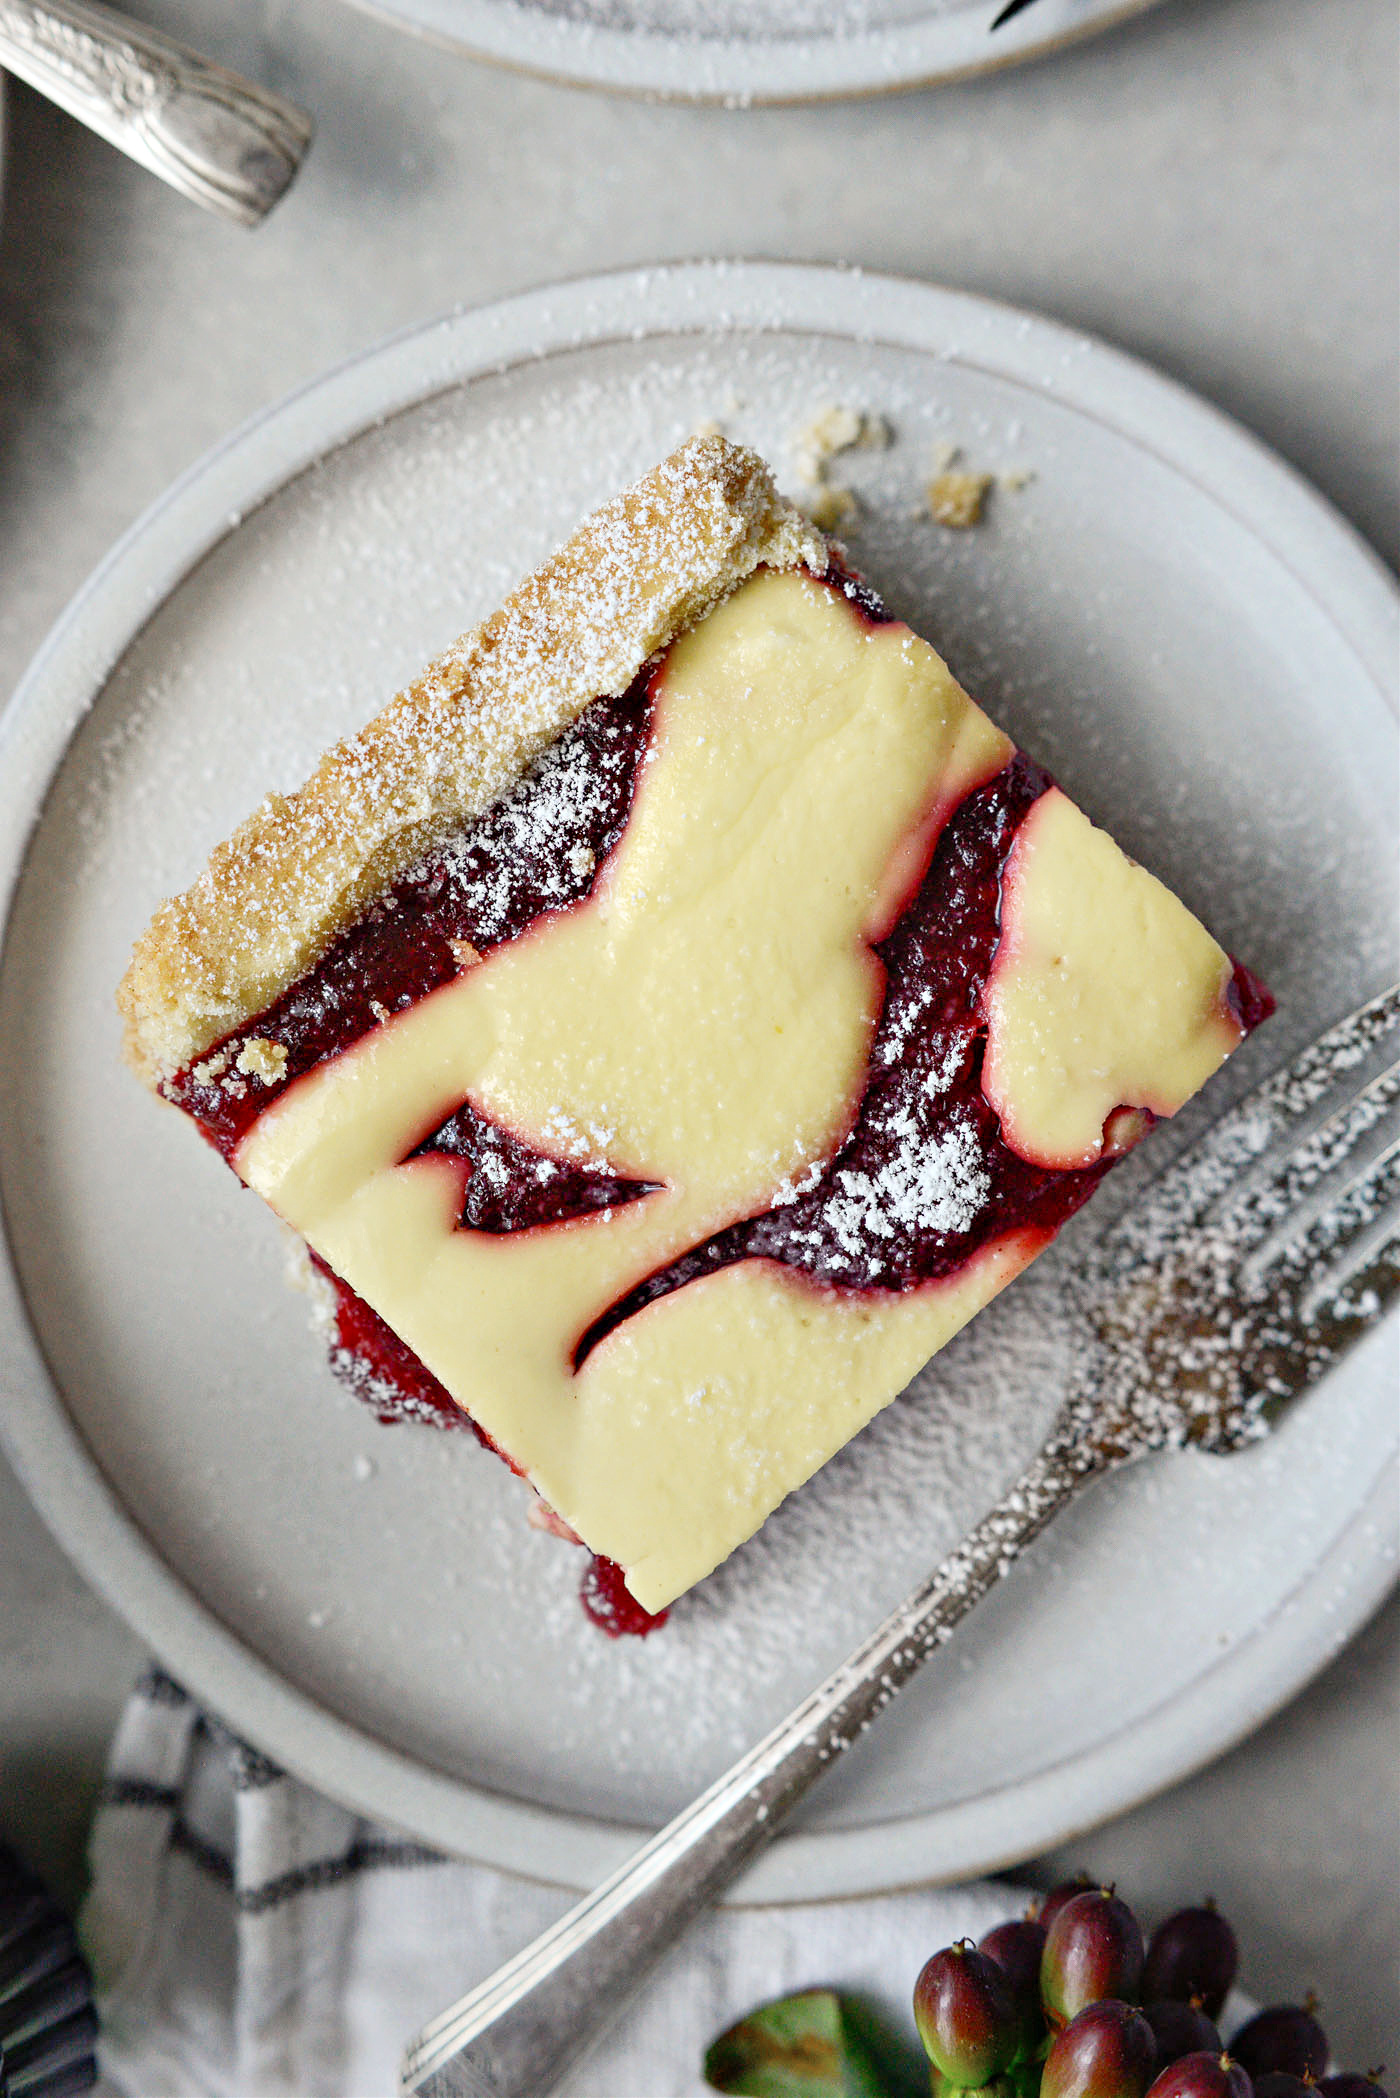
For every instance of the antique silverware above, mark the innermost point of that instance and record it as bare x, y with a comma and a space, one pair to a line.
218, 139
1241, 1275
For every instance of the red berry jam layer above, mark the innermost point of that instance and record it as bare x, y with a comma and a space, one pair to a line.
539, 849
380, 1369
508, 1185
609, 1604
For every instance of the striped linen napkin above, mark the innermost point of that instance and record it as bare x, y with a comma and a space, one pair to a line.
252, 1940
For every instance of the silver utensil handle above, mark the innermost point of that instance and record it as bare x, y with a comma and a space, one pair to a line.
218, 139
515, 2035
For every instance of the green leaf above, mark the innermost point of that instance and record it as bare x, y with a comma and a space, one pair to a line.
1021, 2082
798, 2047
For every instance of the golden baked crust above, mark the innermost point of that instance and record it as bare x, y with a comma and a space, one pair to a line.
302, 867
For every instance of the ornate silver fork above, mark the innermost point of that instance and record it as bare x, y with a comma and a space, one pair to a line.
221, 141
1241, 1275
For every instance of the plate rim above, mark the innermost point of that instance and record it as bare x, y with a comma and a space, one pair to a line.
149, 562
742, 72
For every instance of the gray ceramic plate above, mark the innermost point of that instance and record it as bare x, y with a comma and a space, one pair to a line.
740, 51
1164, 613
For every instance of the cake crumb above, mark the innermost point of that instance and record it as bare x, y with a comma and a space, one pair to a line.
259, 1058
465, 954
833, 509
1015, 479
957, 498
212, 1069
833, 429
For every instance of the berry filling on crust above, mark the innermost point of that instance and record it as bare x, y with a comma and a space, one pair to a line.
923, 1179
658, 1109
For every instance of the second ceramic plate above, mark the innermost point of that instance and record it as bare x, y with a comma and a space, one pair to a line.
739, 51
1154, 606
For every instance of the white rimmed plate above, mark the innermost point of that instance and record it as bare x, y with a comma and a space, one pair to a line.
1164, 613
742, 51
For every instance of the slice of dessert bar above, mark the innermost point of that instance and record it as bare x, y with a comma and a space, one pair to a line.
671, 1018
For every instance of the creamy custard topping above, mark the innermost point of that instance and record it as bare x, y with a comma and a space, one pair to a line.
701, 1021
1106, 992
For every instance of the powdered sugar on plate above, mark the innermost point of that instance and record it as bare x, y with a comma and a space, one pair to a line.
452, 1636
766, 20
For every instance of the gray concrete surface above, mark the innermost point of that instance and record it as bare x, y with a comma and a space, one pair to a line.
1213, 186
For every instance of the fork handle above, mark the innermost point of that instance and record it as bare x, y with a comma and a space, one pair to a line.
516, 2034
218, 139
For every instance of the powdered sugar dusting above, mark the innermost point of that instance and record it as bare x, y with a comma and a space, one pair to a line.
705, 20
531, 833
934, 1185
588, 1144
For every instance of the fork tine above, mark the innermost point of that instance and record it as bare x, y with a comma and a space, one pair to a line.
1276, 1202
1324, 1290
1312, 1251
1333, 1314
1365, 1287
1182, 1195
